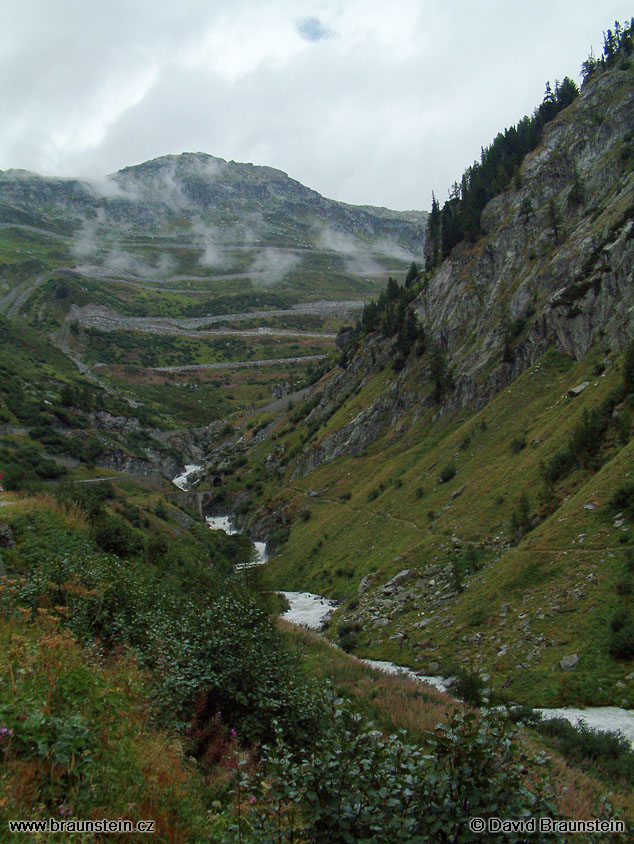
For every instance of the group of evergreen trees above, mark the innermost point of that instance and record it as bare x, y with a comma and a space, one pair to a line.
391, 315
459, 218
618, 44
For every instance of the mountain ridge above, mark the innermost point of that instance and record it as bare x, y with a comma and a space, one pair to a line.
202, 183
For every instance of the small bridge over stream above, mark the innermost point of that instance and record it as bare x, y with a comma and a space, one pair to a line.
195, 499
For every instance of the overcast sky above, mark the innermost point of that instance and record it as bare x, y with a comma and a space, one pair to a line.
366, 101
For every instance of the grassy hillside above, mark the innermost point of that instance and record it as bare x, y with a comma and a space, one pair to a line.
141, 681
491, 545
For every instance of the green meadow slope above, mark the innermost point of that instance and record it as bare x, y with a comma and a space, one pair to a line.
481, 452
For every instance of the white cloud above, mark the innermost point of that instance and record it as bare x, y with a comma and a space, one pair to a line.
358, 257
271, 265
395, 102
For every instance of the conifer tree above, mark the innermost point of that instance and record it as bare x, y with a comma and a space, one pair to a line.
412, 274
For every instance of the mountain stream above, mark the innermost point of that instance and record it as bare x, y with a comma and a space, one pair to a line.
312, 611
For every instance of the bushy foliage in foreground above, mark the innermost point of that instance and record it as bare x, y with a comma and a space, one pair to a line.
214, 639
356, 785
75, 741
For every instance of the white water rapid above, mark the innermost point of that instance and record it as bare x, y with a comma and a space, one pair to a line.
224, 523
312, 611
182, 480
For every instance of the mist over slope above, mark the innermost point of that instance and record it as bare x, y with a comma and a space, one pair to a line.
212, 205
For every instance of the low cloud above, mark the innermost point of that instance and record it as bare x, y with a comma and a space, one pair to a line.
391, 249
88, 247
271, 265
168, 187
357, 255
210, 239
85, 243
209, 167
124, 262
107, 187
339, 242
364, 265
216, 241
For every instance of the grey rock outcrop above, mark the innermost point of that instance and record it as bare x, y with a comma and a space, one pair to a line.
568, 291
568, 662
498, 305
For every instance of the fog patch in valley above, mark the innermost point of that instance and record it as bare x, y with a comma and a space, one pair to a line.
211, 240
391, 249
358, 255
214, 241
119, 260
88, 247
85, 244
271, 265
109, 187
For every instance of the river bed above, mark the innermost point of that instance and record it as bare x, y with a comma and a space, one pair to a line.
312, 611
225, 523
307, 610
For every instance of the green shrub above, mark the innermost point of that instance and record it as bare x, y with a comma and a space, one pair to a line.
278, 537
524, 715
64, 743
353, 784
204, 639
628, 369
622, 642
620, 619
161, 511
25, 466
623, 499
157, 549
348, 641
447, 473
112, 534
517, 444
469, 687
584, 443
89, 497
521, 518
623, 425
610, 752
625, 585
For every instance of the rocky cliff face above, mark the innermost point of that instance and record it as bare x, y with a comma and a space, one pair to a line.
553, 268
555, 263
